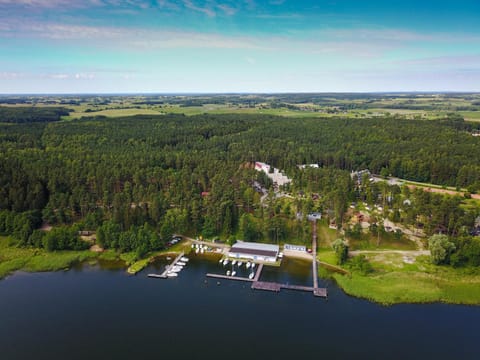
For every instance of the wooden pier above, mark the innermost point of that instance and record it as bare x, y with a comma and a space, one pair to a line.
272, 286
258, 273
163, 275
268, 286
276, 287
227, 277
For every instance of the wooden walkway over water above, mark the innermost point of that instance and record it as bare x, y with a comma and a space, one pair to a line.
163, 275
276, 287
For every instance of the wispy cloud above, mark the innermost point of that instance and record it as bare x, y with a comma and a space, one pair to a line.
205, 10
209, 8
460, 62
11, 75
67, 76
362, 42
50, 4
125, 37
396, 35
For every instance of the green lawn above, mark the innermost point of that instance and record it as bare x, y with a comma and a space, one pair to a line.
392, 281
26, 259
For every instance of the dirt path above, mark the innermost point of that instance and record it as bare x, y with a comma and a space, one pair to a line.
442, 191
400, 252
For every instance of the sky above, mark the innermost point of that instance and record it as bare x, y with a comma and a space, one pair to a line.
217, 46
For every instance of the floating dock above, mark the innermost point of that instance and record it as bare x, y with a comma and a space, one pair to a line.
163, 275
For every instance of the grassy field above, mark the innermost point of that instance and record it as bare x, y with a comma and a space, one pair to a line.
393, 281
470, 115
114, 113
13, 259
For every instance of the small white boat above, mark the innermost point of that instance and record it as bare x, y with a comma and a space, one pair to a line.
197, 250
239, 263
180, 263
234, 262
225, 262
220, 261
234, 273
253, 265
169, 258
228, 272
202, 251
247, 264
172, 274
184, 259
175, 270
251, 275
280, 255
193, 246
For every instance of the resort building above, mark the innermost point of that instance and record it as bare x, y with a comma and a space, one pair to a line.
254, 251
277, 176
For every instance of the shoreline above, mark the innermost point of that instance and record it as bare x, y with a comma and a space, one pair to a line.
410, 286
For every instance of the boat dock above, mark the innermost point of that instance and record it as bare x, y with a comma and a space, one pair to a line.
238, 278
227, 277
163, 275
276, 287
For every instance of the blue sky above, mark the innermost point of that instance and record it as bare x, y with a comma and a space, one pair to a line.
106, 46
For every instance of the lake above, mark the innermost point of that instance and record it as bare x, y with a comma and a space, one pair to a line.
99, 312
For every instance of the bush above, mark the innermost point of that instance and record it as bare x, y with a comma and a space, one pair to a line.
341, 251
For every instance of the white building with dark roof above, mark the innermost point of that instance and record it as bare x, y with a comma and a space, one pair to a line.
254, 251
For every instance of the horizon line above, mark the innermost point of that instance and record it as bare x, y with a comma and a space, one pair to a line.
195, 93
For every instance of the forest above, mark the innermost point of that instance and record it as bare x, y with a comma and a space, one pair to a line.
31, 114
138, 180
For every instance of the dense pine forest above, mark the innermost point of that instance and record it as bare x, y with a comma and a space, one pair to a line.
138, 180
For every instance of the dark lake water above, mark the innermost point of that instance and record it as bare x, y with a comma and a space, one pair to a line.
93, 313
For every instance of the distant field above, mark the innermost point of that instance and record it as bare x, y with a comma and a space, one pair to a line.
409, 106
471, 115
114, 113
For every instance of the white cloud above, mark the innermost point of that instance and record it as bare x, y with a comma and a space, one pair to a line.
84, 76
10, 75
56, 76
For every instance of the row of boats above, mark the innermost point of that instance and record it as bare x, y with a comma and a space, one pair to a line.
173, 270
248, 264
233, 273
199, 248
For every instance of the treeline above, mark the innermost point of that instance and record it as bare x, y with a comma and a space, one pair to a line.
194, 175
27, 114
23, 227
